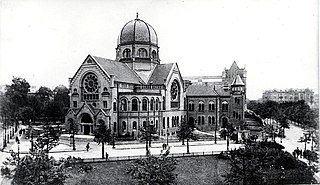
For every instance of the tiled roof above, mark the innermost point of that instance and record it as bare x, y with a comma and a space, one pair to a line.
201, 90
222, 90
121, 71
160, 73
237, 81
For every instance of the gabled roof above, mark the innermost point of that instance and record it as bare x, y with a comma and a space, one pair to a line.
234, 66
201, 90
121, 71
160, 74
237, 81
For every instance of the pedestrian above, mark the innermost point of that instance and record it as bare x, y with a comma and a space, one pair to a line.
88, 146
107, 155
163, 146
294, 154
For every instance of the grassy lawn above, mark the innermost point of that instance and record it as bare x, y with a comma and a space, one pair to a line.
190, 170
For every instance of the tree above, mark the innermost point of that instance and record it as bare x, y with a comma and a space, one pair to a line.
36, 168
54, 111
265, 163
45, 94
154, 170
185, 132
102, 135
17, 96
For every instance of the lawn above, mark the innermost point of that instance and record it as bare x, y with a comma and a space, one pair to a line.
190, 170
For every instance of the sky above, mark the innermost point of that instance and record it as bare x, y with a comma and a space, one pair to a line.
277, 41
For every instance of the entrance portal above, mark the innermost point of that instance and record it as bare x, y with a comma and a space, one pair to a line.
86, 129
86, 118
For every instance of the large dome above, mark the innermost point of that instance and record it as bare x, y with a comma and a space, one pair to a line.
137, 32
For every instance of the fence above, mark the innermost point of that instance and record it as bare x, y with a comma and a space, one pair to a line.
129, 158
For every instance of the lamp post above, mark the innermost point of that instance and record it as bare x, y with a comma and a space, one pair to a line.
113, 140
167, 137
73, 141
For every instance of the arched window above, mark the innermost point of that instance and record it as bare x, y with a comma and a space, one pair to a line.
114, 106
191, 106
201, 106
211, 106
164, 104
202, 120
90, 87
124, 126
123, 104
164, 123
144, 124
134, 103
144, 104
225, 106
213, 120
74, 90
157, 104
154, 54
134, 125
199, 120
142, 53
209, 120
151, 104
126, 53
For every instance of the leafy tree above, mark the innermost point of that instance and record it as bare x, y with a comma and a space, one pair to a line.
37, 168
102, 135
17, 97
263, 163
61, 94
185, 132
54, 111
45, 94
154, 170
26, 114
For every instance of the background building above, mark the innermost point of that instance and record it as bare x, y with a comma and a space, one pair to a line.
289, 95
212, 105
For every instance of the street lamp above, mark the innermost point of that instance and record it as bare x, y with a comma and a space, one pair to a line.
113, 140
167, 137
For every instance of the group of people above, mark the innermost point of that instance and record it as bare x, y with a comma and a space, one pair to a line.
297, 153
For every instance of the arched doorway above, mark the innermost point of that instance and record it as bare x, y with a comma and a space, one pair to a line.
191, 122
224, 122
86, 121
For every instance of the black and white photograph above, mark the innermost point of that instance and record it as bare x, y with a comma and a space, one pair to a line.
151, 92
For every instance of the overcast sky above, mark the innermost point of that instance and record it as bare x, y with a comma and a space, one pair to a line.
45, 41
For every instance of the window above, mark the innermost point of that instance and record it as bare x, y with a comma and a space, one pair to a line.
201, 106
191, 106
134, 125
114, 106
164, 123
157, 124
151, 104
90, 90
144, 104
126, 53
199, 120
173, 122
75, 104
114, 126
142, 53
213, 120
105, 104
144, 124
211, 106
74, 90
168, 122
124, 126
123, 106
164, 104
209, 120
225, 106
202, 120
154, 54
134, 105
157, 104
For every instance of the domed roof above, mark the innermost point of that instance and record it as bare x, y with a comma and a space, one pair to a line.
137, 31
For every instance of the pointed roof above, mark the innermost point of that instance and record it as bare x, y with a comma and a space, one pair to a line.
234, 66
121, 71
237, 81
201, 90
160, 74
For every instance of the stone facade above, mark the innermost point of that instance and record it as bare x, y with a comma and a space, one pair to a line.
136, 90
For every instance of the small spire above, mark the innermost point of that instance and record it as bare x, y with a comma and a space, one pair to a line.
137, 16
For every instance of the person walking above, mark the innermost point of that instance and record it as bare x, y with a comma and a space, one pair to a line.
88, 146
